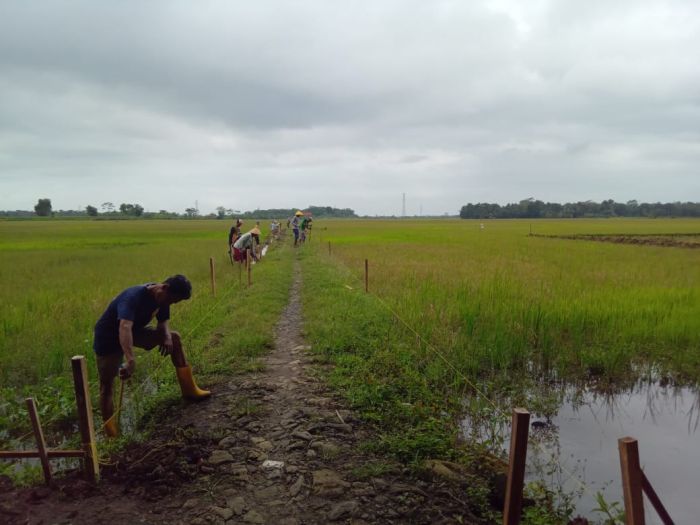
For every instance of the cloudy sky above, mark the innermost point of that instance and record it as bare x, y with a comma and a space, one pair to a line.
349, 104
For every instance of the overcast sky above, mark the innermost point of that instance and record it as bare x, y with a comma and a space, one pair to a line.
348, 104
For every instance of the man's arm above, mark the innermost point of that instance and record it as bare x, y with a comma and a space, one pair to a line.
126, 340
167, 346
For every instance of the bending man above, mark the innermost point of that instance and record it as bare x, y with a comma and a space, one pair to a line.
123, 326
247, 241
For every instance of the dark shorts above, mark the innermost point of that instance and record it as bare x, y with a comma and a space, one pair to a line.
239, 255
108, 364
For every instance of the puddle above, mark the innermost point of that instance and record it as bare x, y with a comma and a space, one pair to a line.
576, 446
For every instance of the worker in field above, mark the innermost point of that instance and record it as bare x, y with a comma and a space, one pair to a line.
234, 233
124, 325
296, 223
247, 241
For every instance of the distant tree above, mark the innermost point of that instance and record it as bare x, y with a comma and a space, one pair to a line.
191, 212
91, 211
107, 207
43, 207
220, 212
135, 210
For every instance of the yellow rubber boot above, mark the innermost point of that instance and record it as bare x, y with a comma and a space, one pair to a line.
110, 427
189, 388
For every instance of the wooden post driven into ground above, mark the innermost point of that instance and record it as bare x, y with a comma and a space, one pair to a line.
240, 272
329, 247
85, 422
366, 276
516, 468
631, 481
213, 277
249, 265
635, 484
39, 435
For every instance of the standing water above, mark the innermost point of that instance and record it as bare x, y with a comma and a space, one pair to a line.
574, 450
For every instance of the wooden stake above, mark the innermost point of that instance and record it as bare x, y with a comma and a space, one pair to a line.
240, 272
248, 261
631, 481
516, 468
39, 435
656, 501
19, 454
366, 276
213, 276
329, 247
85, 422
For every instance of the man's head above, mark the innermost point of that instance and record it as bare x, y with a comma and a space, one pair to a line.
173, 290
255, 232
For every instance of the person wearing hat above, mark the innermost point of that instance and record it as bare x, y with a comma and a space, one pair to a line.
296, 222
247, 241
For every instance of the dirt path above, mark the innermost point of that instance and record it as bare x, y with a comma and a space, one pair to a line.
272, 447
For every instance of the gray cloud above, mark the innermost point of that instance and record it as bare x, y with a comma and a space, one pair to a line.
348, 104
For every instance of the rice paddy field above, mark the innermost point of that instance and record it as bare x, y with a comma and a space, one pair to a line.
464, 319
597, 340
58, 277
496, 298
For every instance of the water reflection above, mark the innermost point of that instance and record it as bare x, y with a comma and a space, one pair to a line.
573, 442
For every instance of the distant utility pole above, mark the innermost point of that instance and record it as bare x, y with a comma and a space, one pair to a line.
403, 209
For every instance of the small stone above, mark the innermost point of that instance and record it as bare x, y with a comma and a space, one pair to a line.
190, 503
343, 509
228, 442
253, 517
262, 444
297, 486
302, 434
268, 493
223, 513
329, 483
270, 464
310, 453
237, 505
219, 457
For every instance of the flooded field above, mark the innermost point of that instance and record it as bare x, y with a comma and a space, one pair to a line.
574, 449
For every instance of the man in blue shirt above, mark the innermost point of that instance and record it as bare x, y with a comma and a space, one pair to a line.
124, 325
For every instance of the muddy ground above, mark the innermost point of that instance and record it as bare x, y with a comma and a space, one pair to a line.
272, 447
670, 240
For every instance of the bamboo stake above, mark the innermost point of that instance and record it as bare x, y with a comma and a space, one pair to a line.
366, 276
39, 435
516, 468
250, 276
631, 481
85, 422
240, 272
213, 276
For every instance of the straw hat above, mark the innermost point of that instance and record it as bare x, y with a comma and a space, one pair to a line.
255, 231
299, 214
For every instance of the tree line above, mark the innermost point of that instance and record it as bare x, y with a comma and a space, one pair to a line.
536, 209
44, 208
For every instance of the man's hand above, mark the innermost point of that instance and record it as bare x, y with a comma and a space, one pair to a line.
167, 347
127, 369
